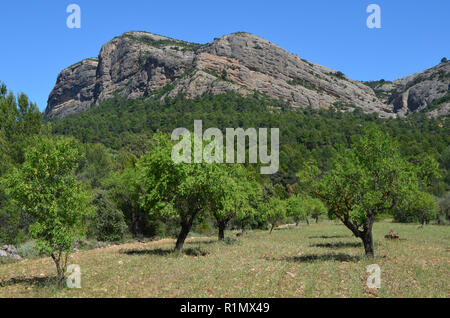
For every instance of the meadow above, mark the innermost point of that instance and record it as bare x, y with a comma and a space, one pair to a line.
319, 260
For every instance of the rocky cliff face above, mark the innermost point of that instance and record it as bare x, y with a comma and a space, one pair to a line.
137, 64
74, 89
428, 91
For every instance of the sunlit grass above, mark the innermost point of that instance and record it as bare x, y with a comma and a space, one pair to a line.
320, 260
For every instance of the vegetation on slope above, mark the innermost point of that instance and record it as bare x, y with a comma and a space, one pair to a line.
121, 168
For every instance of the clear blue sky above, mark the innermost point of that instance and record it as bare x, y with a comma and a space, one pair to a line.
36, 43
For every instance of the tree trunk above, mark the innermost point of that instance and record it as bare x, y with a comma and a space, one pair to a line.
307, 221
135, 222
271, 228
221, 231
367, 238
185, 228
317, 220
59, 270
368, 244
135, 225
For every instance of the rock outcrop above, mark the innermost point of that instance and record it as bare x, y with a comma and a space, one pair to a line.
10, 252
138, 64
426, 91
74, 89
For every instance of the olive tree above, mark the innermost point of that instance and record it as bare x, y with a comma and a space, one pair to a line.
45, 186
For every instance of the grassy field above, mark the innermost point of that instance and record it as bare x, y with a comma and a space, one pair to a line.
320, 260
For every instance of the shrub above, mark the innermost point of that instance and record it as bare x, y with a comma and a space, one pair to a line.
229, 241
108, 224
444, 215
28, 250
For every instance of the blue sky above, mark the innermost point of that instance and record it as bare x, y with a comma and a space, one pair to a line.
36, 43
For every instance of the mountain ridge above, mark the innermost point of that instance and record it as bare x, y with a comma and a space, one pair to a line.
138, 63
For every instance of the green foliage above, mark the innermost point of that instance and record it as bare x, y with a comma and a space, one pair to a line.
274, 212
28, 249
421, 208
280, 191
444, 216
236, 194
430, 175
108, 224
46, 188
230, 241
10, 224
337, 74
175, 44
302, 207
305, 135
380, 92
95, 165
369, 179
224, 75
182, 191
296, 209
125, 190
115, 135
315, 207
19, 121
435, 104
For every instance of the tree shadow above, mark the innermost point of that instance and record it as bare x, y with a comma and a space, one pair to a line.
328, 236
337, 245
166, 252
208, 242
40, 282
311, 258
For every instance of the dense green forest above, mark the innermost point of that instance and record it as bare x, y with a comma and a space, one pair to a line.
305, 134
122, 144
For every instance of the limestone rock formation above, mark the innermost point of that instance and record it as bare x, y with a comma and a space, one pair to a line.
426, 91
138, 64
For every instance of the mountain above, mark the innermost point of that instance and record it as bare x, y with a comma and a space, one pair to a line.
138, 64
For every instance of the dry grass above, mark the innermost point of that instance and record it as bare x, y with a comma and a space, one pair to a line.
321, 260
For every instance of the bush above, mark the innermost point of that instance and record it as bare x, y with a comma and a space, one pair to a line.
229, 241
158, 228
108, 224
444, 216
204, 228
13, 229
28, 250
83, 244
